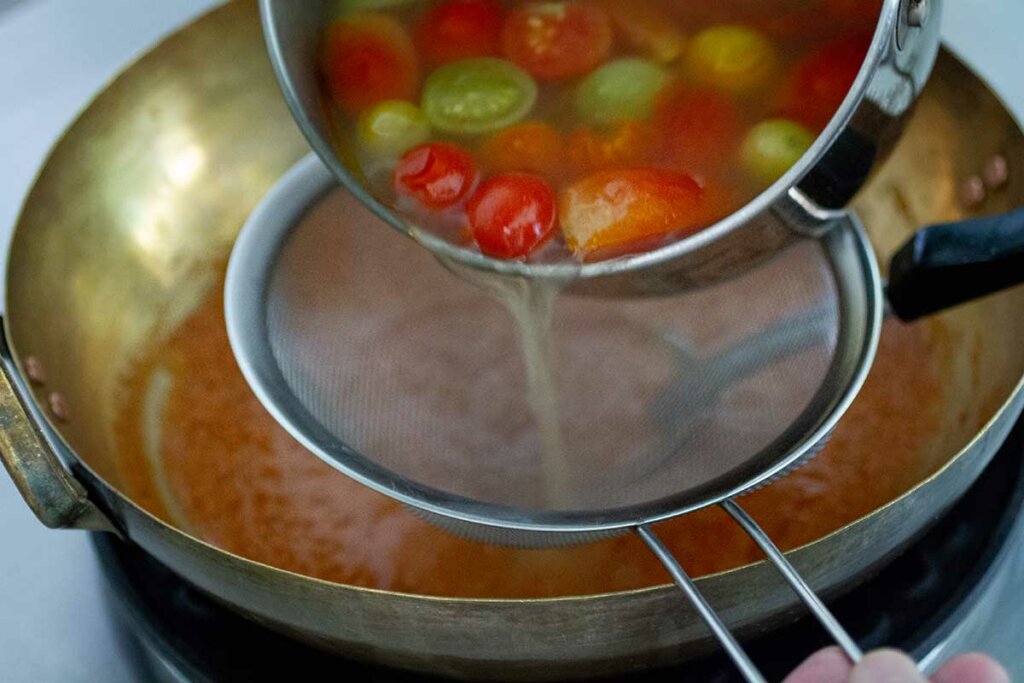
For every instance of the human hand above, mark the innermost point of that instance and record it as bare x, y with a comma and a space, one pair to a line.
890, 666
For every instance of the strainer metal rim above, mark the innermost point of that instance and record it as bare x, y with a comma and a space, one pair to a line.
265, 235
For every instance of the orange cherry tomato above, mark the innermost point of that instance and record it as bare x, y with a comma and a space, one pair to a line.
631, 143
511, 215
556, 40
822, 80
461, 29
369, 58
527, 147
438, 175
615, 209
701, 127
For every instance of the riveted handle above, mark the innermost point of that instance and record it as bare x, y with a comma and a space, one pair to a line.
53, 494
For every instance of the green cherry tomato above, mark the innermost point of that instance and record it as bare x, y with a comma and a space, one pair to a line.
773, 147
475, 96
392, 127
621, 89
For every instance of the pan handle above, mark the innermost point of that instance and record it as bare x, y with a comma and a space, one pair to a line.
946, 265
53, 494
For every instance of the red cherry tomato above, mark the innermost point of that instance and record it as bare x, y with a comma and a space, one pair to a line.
369, 58
822, 80
511, 215
555, 40
700, 126
863, 14
461, 29
437, 175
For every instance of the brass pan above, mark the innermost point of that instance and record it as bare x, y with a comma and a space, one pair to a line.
137, 207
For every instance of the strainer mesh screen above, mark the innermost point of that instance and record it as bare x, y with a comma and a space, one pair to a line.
424, 374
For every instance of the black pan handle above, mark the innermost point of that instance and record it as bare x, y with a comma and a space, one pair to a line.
946, 265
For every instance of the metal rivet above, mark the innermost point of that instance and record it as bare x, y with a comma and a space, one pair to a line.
996, 173
972, 192
59, 407
35, 371
917, 13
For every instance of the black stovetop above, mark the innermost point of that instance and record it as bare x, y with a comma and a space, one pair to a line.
908, 603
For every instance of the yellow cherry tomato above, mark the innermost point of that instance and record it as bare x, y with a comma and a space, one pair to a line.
392, 128
734, 58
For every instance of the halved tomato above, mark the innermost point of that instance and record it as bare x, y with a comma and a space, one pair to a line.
438, 175
556, 40
480, 95
613, 209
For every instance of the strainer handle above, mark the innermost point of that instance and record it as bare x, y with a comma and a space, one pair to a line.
796, 582
707, 613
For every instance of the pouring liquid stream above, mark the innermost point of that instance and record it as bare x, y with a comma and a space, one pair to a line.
531, 304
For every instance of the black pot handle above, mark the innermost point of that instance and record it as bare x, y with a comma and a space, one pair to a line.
946, 265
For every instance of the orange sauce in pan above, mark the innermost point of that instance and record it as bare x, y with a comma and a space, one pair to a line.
197, 449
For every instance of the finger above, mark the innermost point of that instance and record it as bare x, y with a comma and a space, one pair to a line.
972, 668
825, 666
886, 666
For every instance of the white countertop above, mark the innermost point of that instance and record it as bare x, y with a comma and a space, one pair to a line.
54, 55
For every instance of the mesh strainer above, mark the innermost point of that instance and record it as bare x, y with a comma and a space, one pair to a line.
413, 381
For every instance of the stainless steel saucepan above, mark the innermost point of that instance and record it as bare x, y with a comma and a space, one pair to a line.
129, 224
862, 132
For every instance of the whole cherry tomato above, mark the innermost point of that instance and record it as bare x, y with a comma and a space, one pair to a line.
461, 29
732, 57
822, 80
438, 175
369, 58
628, 144
556, 40
863, 14
512, 214
701, 127
530, 147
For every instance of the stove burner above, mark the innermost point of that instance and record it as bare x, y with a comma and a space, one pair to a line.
912, 603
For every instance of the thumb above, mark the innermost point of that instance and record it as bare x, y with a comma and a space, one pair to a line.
887, 666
